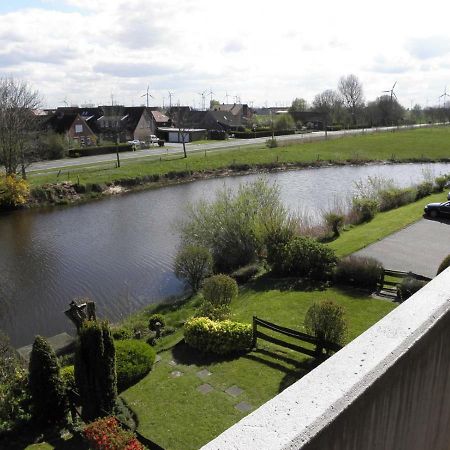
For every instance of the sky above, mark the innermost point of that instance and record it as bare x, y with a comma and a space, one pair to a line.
263, 53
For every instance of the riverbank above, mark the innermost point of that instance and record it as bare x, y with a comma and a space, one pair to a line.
94, 182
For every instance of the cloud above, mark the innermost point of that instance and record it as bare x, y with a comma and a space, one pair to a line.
233, 47
429, 47
18, 57
134, 69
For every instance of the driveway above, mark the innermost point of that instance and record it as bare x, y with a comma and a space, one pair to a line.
419, 248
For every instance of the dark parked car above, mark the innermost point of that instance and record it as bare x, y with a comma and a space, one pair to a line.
437, 209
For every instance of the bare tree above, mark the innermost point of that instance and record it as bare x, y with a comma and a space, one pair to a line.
352, 94
17, 124
328, 102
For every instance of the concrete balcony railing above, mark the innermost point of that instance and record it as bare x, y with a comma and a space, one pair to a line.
387, 389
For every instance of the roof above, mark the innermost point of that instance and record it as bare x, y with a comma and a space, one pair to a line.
235, 108
62, 121
159, 117
175, 129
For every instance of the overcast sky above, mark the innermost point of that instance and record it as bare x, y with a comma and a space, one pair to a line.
266, 52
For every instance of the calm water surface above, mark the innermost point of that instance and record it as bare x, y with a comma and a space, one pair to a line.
119, 251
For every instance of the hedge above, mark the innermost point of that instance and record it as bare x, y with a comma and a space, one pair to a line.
253, 134
220, 338
134, 360
99, 150
360, 271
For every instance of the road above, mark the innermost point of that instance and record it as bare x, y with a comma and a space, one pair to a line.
173, 148
418, 248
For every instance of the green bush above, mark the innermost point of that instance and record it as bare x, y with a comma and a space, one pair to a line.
335, 222
154, 320
440, 182
365, 208
193, 264
423, 189
134, 360
408, 287
220, 338
99, 150
303, 257
444, 264
395, 197
326, 321
359, 271
244, 274
13, 192
68, 377
272, 143
47, 389
219, 290
121, 333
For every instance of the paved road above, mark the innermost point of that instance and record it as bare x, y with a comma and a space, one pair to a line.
418, 248
171, 148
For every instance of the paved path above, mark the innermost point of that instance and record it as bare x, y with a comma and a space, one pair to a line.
418, 248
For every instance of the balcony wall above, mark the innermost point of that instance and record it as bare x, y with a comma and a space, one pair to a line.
388, 389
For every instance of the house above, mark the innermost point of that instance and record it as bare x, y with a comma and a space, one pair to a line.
237, 109
159, 120
209, 120
71, 124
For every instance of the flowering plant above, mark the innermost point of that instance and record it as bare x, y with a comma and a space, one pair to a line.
106, 434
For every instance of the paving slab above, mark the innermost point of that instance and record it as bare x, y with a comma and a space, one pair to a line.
234, 391
205, 388
205, 373
157, 359
176, 374
243, 406
172, 363
418, 248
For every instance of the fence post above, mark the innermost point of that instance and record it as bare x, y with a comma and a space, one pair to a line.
254, 332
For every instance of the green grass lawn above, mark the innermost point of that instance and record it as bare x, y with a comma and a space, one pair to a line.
431, 143
173, 413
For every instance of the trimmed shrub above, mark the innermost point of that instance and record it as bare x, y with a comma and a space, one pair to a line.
99, 150
423, 189
304, 257
408, 287
46, 386
444, 264
134, 360
365, 208
220, 338
153, 321
359, 271
106, 434
244, 274
219, 290
13, 192
95, 369
440, 182
326, 321
272, 143
335, 222
193, 264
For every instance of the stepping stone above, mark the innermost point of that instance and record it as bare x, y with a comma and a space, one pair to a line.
243, 406
176, 374
234, 391
205, 388
157, 359
205, 373
172, 363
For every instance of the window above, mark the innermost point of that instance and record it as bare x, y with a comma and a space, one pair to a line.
78, 128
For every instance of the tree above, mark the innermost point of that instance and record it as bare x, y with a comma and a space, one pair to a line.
352, 94
328, 102
193, 264
46, 385
284, 122
298, 104
213, 103
95, 369
326, 321
17, 122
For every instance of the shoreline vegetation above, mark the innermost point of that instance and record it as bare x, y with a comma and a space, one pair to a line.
80, 184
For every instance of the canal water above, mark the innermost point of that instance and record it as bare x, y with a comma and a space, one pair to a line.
119, 251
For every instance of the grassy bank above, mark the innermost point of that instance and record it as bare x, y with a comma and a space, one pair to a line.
173, 412
428, 144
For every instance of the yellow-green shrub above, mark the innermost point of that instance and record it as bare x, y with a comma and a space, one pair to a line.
13, 192
218, 337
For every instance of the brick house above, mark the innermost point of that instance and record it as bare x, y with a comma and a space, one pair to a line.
72, 125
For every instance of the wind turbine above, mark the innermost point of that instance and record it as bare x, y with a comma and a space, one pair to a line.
147, 94
444, 95
392, 93
170, 99
226, 96
211, 93
202, 94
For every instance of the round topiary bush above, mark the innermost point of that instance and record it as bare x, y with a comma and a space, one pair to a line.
154, 320
220, 338
219, 290
134, 360
359, 271
120, 333
444, 264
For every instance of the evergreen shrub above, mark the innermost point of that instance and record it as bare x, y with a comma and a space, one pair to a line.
359, 271
134, 360
365, 208
220, 338
409, 286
